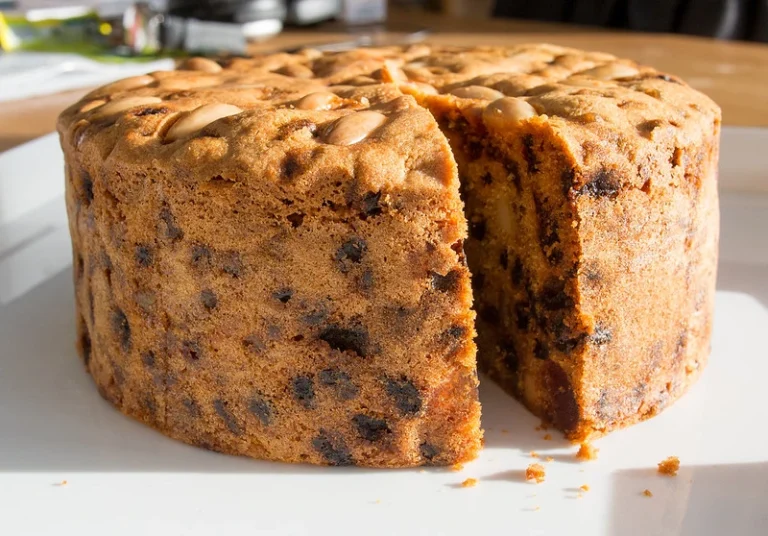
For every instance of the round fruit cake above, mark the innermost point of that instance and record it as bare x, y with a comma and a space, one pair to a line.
269, 253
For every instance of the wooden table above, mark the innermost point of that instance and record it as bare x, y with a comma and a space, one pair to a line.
734, 74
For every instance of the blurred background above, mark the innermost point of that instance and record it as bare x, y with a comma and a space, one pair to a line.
148, 27
53, 51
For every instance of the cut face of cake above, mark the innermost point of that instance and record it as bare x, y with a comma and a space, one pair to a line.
270, 253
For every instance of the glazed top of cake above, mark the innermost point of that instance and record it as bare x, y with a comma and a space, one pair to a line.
606, 111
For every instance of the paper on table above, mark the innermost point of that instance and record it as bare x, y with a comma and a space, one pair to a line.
30, 74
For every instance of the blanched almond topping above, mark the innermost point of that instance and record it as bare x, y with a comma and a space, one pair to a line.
320, 100
296, 71
127, 103
134, 82
418, 88
506, 110
391, 72
611, 71
354, 127
477, 92
91, 105
199, 118
200, 64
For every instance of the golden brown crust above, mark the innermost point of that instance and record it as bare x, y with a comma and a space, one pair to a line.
269, 255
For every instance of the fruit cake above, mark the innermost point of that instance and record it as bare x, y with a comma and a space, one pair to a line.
269, 252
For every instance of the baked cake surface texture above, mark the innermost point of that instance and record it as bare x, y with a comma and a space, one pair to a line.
269, 252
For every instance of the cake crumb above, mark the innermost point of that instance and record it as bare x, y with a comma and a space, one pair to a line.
534, 454
549, 459
542, 426
669, 466
584, 487
587, 452
536, 472
537, 509
547, 437
456, 467
647, 493
422, 470
469, 483
62, 483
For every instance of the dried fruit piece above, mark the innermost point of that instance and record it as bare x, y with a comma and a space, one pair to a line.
406, 396
226, 415
340, 381
347, 339
370, 428
261, 408
332, 448
121, 328
304, 391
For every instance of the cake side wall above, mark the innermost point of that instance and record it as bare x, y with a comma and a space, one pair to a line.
328, 325
647, 282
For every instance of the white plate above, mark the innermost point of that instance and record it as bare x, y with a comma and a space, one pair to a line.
123, 478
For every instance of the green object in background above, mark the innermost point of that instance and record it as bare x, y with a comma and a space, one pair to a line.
87, 35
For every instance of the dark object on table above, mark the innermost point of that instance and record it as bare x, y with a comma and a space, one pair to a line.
299, 12
303, 12
241, 11
722, 19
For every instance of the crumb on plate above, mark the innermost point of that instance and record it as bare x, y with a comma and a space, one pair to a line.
456, 467
669, 466
549, 459
584, 487
469, 483
534, 454
547, 437
536, 472
647, 493
587, 452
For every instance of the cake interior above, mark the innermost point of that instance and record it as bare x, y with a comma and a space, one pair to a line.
523, 254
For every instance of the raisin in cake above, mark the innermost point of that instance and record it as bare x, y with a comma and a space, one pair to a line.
269, 252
